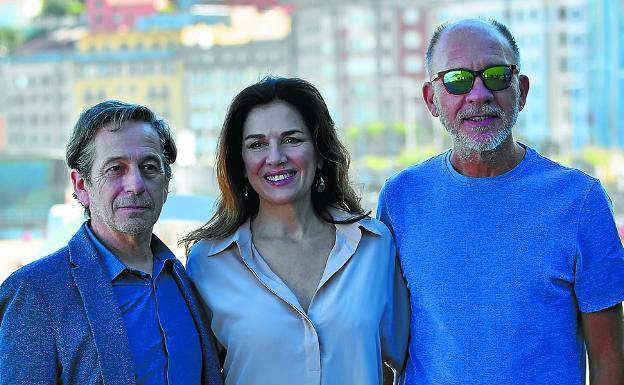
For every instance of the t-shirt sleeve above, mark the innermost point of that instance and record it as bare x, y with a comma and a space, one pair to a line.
382, 208
599, 277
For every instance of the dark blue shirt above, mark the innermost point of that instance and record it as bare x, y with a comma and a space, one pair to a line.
162, 334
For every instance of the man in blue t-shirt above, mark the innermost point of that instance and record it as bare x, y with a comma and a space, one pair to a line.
513, 262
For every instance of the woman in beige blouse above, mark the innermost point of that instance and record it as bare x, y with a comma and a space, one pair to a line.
302, 286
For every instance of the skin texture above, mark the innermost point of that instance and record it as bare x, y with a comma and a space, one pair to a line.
481, 120
605, 350
486, 148
277, 141
127, 191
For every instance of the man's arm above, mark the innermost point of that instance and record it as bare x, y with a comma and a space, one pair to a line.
388, 375
604, 341
27, 347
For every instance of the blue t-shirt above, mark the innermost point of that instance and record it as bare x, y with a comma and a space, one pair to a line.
498, 269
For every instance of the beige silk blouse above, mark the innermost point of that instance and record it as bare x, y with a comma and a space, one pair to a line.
358, 317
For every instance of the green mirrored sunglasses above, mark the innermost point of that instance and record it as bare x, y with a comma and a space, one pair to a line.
459, 81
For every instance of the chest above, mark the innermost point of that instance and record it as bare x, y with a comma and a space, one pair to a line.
300, 265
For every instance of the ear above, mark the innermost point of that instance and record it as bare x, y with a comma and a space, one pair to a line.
80, 187
428, 94
524, 90
166, 192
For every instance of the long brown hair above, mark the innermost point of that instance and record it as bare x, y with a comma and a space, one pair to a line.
234, 208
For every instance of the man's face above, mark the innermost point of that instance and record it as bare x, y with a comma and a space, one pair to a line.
480, 120
128, 183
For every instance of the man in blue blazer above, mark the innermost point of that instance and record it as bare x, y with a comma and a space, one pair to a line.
114, 306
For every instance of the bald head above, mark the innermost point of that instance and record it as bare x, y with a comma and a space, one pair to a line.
491, 28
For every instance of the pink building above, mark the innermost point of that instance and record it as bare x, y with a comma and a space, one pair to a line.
119, 15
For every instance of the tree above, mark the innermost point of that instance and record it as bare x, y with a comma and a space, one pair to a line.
9, 39
58, 8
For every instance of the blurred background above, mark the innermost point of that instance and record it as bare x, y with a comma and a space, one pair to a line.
187, 59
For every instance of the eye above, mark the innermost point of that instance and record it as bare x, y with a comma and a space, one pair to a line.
291, 140
113, 170
151, 169
256, 145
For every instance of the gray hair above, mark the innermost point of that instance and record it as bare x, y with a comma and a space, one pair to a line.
113, 113
437, 34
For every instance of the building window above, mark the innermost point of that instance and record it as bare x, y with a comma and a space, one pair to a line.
411, 16
413, 64
412, 40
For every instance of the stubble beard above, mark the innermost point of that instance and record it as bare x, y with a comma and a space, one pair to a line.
465, 145
133, 226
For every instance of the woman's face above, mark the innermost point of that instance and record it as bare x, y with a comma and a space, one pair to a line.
278, 153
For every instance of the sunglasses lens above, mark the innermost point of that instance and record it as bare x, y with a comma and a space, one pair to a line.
497, 78
458, 81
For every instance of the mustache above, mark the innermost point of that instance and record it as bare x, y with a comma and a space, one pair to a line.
134, 201
484, 109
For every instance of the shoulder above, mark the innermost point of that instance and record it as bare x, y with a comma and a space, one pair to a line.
40, 271
33, 282
205, 248
373, 232
416, 172
375, 226
209, 247
546, 176
553, 170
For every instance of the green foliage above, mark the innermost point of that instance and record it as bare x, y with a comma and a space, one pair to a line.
400, 127
352, 133
596, 156
375, 128
420, 154
54, 8
171, 7
565, 160
76, 7
58, 8
9, 39
377, 163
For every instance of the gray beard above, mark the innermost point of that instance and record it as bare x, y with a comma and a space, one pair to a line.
132, 226
464, 145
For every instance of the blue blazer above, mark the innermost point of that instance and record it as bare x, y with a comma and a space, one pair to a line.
60, 322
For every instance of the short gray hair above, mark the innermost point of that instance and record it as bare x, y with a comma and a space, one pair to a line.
113, 113
437, 34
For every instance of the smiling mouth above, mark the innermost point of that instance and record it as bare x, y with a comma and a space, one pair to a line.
479, 118
280, 177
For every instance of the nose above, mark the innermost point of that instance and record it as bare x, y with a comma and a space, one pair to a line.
276, 155
479, 94
133, 181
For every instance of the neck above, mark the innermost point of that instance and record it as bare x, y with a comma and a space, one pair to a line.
488, 163
291, 220
133, 250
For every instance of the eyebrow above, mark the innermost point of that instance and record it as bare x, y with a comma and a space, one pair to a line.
148, 157
285, 133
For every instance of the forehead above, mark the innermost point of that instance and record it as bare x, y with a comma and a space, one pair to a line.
133, 139
473, 46
274, 117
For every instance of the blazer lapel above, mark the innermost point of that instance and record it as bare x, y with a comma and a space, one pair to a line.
109, 332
